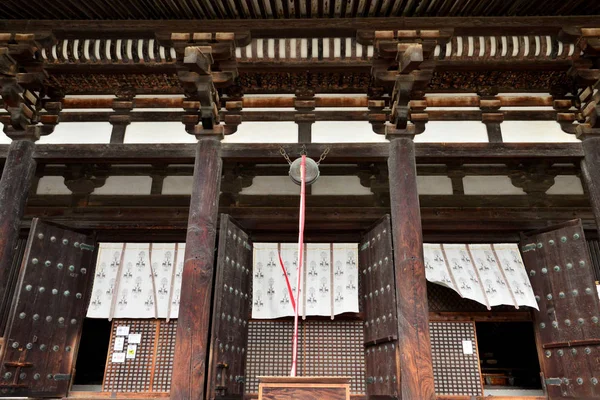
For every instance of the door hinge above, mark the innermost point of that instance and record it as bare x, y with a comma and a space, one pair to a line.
553, 381
528, 247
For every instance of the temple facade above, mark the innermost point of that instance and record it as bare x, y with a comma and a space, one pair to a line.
148, 221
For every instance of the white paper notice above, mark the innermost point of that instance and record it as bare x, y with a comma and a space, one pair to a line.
122, 330
467, 347
119, 343
131, 350
118, 357
135, 338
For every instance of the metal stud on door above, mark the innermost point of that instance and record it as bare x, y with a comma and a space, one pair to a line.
44, 327
567, 328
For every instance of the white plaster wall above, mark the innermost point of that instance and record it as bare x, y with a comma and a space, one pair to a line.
178, 185
494, 184
566, 184
344, 132
453, 131
337, 185
52, 185
125, 185
157, 132
272, 185
78, 132
430, 185
535, 131
264, 132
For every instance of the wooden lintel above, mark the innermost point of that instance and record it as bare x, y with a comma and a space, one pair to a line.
269, 152
315, 26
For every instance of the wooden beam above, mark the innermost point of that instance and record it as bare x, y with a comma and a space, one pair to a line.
309, 27
15, 183
590, 171
191, 348
411, 287
426, 153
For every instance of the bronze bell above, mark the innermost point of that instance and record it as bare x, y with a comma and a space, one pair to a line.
312, 171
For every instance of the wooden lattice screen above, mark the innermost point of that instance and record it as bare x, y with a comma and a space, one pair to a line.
150, 370
326, 348
454, 372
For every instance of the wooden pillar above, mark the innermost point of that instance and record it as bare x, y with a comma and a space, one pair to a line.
192, 342
15, 183
411, 290
590, 167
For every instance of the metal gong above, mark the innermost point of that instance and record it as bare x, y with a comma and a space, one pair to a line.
312, 171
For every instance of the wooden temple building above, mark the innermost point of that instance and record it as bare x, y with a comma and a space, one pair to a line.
172, 122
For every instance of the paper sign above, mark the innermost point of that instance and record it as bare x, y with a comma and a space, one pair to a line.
122, 330
131, 350
119, 342
135, 338
118, 357
467, 346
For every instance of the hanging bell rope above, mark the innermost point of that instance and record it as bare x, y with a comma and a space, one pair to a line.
300, 262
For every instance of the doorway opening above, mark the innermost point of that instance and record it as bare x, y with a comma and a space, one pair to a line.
91, 356
509, 358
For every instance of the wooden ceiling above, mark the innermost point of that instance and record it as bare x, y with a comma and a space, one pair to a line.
276, 9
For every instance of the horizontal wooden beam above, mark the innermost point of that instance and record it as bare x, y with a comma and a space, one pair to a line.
301, 27
269, 152
448, 100
481, 316
319, 115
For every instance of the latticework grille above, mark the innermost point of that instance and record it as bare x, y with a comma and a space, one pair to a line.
150, 370
454, 372
326, 348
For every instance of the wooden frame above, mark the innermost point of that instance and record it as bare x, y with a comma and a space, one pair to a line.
324, 387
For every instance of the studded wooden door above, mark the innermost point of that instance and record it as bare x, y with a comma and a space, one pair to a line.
378, 303
567, 328
49, 305
232, 304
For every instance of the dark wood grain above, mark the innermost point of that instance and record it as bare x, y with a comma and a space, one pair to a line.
269, 152
14, 188
46, 318
566, 326
231, 308
413, 326
191, 348
590, 172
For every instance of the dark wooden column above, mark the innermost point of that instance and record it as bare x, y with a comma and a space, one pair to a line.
191, 348
590, 167
411, 290
15, 183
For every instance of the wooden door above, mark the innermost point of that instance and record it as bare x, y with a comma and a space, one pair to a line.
50, 301
378, 303
567, 327
232, 305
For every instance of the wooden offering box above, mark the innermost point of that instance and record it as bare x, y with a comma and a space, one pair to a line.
303, 388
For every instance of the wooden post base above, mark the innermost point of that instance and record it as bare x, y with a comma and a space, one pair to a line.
303, 387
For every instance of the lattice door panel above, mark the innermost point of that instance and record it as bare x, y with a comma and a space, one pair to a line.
150, 370
231, 311
567, 325
335, 348
326, 348
44, 325
376, 266
454, 372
